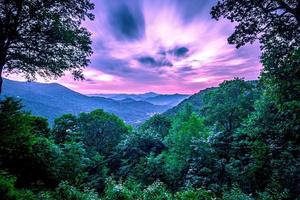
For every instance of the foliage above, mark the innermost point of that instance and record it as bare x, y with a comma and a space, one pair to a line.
102, 131
194, 194
44, 38
274, 23
121, 191
186, 126
226, 106
65, 191
65, 129
236, 194
8, 191
158, 123
134, 151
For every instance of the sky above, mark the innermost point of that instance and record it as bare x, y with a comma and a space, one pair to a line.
164, 46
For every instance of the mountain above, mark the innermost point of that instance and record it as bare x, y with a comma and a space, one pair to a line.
196, 100
171, 100
53, 100
137, 97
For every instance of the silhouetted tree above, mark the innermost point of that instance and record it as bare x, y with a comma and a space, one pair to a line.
45, 38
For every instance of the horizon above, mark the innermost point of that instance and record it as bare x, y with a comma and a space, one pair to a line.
176, 49
89, 94
120, 93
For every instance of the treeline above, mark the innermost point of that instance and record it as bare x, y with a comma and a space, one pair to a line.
240, 145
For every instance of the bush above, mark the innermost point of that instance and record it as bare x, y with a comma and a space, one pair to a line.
8, 191
194, 194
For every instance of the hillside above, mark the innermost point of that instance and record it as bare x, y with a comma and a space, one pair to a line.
53, 100
171, 100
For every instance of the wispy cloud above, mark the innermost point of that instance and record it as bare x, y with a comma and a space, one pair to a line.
163, 46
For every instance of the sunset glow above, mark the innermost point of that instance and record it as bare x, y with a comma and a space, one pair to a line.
160, 46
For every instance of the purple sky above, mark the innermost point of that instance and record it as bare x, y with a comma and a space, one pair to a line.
165, 46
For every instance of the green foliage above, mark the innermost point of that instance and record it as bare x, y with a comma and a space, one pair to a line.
131, 190
8, 191
158, 123
73, 163
102, 131
281, 75
16, 141
39, 126
121, 191
150, 169
65, 129
266, 148
65, 191
156, 191
236, 194
133, 152
206, 166
186, 127
230, 103
194, 194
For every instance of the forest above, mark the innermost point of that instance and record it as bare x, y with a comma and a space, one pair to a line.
241, 143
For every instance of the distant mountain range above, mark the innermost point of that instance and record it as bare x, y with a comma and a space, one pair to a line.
53, 100
136, 97
150, 97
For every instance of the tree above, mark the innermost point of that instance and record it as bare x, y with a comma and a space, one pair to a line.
66, 129
276, 24
226, 106
158, 123
186, 127
45, 38
19, 146
8, 190
134, 149
265, 150
39, 126
101, 131
266, 20
15, 138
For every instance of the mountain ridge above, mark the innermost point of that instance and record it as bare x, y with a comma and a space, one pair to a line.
52, 100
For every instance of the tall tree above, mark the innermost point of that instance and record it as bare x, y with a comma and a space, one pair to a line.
276, 25
43, 37
265, 150
228, 105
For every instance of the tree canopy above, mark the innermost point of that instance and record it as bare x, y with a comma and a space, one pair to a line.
44, 38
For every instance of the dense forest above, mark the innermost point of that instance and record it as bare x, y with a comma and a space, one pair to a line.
239, 141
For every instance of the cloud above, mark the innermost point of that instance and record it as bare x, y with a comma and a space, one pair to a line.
127, 21
147, 60
162, 46
150, 61
186, 71
180, 51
